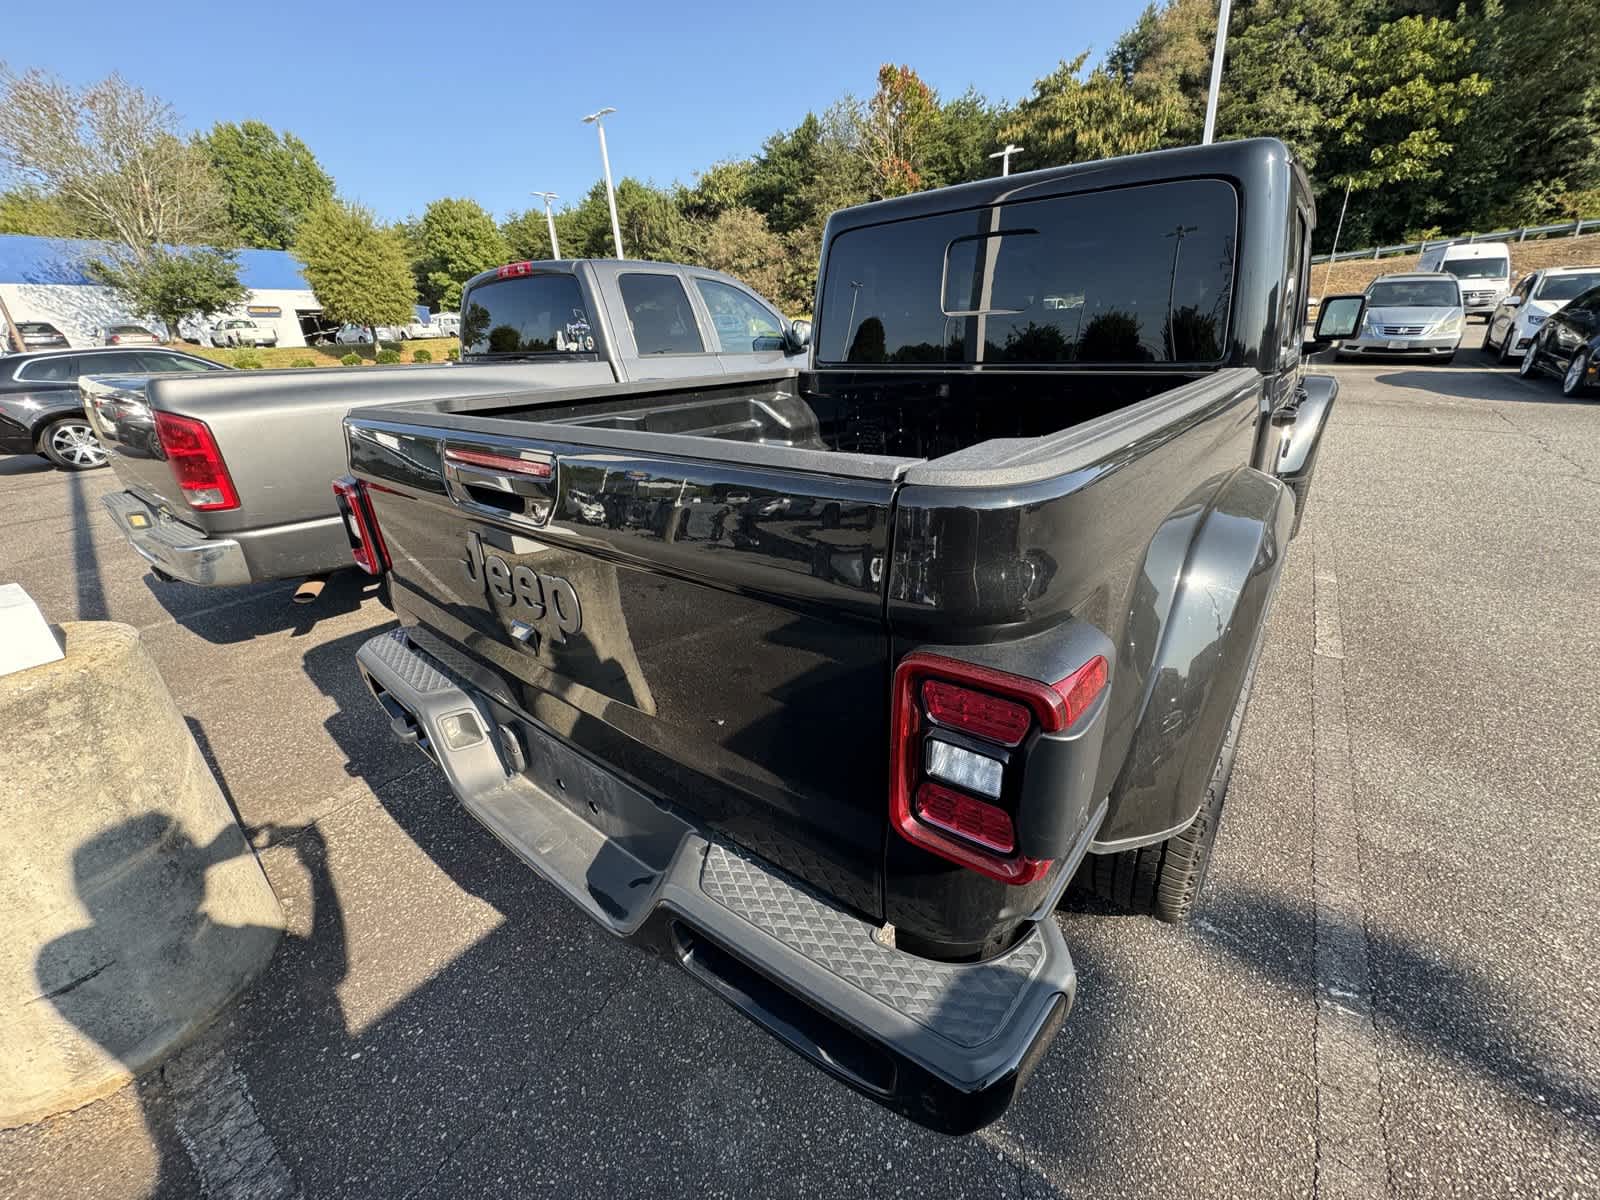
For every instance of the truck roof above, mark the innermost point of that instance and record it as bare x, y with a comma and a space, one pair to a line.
1251, 161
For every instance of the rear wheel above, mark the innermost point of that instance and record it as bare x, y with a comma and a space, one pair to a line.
1164, 880
1572, 381
71, 445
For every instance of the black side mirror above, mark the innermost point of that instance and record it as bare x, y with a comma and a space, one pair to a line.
1338, 317
799, 336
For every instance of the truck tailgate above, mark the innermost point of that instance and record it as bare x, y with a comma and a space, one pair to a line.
713, 632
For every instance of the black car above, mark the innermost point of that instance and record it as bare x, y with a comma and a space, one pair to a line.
41, 335
1568, 346
40, 412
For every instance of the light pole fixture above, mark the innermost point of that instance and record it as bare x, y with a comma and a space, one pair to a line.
594, 119
550, 219
1005, 156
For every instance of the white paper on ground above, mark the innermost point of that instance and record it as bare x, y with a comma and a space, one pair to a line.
25, 637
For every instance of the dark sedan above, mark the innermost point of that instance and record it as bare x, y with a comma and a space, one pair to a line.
1568, 347
41, 413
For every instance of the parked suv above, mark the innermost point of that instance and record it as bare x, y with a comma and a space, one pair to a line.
1418, 316
42, 413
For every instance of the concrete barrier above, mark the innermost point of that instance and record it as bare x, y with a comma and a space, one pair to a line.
133, 908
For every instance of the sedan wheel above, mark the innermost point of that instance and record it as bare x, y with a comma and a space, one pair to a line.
71, 445
1572, 381
1507, 342
1530, 360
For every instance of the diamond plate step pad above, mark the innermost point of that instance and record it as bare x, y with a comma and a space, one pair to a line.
965, 1003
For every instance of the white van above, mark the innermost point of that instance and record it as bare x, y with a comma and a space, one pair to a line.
1484, 269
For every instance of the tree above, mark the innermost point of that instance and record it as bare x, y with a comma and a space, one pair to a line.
739, 243
653, 226
527, 236
359, 271
783, 174
26, 210
1071, 119
174, 284
453, 242
270, 180
1165, 61
1410, 90
111, 152
724, 186
893, 130
966, 133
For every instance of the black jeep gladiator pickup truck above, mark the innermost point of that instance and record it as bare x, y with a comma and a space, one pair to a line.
826, 683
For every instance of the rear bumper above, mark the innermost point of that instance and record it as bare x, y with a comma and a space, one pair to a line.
175, 549
947, 1045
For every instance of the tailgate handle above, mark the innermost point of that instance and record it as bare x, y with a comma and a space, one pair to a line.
504, 484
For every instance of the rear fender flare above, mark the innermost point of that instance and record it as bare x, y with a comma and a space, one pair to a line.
1218, 582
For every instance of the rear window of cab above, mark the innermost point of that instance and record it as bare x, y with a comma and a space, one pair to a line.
1140, 274
526, 314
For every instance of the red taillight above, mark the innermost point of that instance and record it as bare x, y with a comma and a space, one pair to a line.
959, 813
196, 463
513, 269
990, 709
978, 713
115, 338
361, 525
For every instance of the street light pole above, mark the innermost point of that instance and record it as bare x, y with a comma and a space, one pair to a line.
605, 161
1005, 156
1218, 49
550, 219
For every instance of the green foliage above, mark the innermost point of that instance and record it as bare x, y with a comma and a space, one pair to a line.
966, 133
422, 356
454, 240
526, 235
1411, 88
172, 284
653, 226
725, 186
351, 359
359, 271
247, 361
453, 354
270, 180
1077, 119
739, 243
303, 362
387, 357
27, 210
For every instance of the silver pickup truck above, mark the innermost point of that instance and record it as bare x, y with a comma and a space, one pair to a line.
228, 477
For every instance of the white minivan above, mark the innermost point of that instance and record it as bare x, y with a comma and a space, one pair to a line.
1484, 269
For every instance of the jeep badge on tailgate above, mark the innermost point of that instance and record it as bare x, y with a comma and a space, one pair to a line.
546, 601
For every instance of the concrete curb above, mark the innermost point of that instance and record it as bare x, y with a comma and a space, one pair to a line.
136, 908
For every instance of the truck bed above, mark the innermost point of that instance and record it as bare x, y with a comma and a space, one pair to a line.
894, 415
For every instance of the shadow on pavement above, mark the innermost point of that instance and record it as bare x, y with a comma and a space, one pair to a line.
24, 464
227, 615
1479, 385
1444, 1009
91, 598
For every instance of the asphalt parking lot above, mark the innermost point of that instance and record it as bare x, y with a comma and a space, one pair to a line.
1390, 989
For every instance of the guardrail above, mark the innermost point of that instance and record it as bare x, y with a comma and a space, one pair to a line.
1572, 228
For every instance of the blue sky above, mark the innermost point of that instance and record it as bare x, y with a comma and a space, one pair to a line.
404, 103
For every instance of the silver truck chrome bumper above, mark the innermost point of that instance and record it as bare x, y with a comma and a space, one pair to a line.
946, 1044
173, 548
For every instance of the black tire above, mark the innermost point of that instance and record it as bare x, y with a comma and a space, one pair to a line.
1572, 380
1506, 343
69, 442
1164, 880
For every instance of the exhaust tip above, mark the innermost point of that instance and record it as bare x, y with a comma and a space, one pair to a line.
310, 589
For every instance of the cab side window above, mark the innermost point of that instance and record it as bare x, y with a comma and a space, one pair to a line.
659, 311
742, 325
